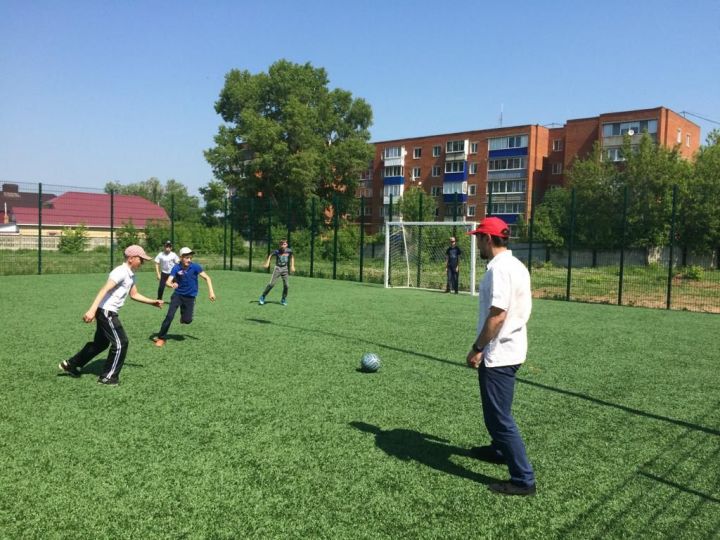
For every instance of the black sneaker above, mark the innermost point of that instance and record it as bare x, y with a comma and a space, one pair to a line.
486, 453
508, 488
109, 381
70, 370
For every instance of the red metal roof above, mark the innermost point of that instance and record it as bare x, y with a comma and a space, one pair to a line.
91, 209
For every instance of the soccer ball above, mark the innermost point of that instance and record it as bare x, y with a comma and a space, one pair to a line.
370, 362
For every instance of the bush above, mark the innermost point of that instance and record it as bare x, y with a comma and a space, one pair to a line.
73, 240
127, 235
692, 272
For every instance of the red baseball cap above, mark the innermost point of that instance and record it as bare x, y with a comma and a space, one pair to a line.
494, 226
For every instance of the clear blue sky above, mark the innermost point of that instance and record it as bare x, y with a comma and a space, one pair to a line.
92, 91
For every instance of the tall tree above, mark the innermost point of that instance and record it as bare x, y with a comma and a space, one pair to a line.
214, 197
410, 205
172, 196
287, 135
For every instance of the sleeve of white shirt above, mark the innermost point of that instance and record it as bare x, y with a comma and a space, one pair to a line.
117, 275
501, 290
157, 258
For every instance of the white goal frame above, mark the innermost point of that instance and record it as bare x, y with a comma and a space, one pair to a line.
462, 226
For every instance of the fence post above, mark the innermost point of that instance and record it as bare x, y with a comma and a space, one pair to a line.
672, 245
251, 230
336, 213
268, 205
623, 240
289, 218
233, 202
389, 254
455, 213
312, 237
225, 224
420, 230
531, 230
112, 229
489, 200
39, 228
362, 235
570, 244
172, 218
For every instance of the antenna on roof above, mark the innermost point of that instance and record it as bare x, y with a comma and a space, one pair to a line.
501, 113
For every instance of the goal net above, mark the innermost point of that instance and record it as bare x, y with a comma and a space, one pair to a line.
415, 254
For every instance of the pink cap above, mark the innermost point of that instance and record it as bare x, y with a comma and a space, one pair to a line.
136, 251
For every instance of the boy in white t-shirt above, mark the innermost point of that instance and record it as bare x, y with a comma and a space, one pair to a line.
109, 330
164, 263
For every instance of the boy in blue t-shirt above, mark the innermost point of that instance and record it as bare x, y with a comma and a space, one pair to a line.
283, 257
184, 279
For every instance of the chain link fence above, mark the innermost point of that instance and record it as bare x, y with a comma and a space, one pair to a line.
596, 256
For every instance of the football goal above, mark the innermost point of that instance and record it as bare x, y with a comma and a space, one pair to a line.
415, 254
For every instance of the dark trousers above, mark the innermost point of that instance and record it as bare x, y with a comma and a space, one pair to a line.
497, 387
280, 272
186, 305
161, 285
108, 331
453, 278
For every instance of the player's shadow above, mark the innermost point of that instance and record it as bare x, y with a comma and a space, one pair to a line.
175, 337
432, 451
95, 367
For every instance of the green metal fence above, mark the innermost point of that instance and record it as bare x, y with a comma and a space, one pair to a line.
334, 242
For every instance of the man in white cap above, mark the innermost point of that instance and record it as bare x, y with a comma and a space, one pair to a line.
109, 330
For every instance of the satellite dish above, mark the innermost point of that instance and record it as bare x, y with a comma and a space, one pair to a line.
631, 132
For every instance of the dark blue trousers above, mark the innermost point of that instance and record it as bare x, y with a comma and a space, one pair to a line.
186, 305
497, 387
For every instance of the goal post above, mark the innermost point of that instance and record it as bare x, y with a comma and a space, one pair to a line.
415, 254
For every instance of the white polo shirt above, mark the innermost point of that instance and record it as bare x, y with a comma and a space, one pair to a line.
506, 285
124, 279
166, 261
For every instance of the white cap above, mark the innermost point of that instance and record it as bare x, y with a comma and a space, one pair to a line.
186, 251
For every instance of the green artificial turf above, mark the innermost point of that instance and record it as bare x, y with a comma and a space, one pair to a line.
255, 422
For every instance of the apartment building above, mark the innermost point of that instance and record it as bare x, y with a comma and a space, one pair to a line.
495, 171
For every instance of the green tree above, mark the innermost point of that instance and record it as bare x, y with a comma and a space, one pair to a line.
287, 135
185, 206
151, 189
73, 240
552, 218
214, 197
410, 205
127, 235
700, 222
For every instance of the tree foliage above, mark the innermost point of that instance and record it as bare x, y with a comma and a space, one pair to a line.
73, 240
173, 197
416, 205
287, 135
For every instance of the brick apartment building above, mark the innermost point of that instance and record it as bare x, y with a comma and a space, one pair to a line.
510, 162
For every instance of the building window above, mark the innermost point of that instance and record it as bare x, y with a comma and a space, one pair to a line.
473, 168
367, 210
507, 163
415, 173
623, 128
436, 170
503, 143
395, 170
395, 190
507, 186
471, 210
613, 154
436, 191
436, 150
437, 212
557, 145
679, 136
472, 189
557, 168
392, 152
417, 153
450, 188
454, 147
473, 148
508, 208
687, 140
454, 166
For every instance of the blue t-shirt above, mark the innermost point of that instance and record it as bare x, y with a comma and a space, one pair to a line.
186, 278
282, 258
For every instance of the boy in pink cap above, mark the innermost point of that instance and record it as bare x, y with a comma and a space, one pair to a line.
108, 328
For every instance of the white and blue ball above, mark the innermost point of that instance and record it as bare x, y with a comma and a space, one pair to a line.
370, 362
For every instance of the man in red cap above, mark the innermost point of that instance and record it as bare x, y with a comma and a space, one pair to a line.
108, 329
498, 351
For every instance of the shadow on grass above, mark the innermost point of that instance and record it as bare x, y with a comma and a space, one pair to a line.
174, 337
623, 408
578, 395
432, 451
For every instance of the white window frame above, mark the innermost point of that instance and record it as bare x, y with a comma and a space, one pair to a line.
557, 168
436, 171
393, 170
437, 149
454, 167
456, 146
473, 147
396, 190
417, 152
687, 140
473, 169
507, 164
557, 145
392, 152
679, 135
416, 173
472, 189
471, 210
436, 191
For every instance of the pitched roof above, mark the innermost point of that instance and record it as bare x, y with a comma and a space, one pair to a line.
91, 209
